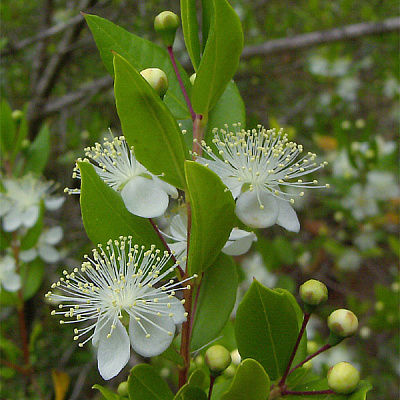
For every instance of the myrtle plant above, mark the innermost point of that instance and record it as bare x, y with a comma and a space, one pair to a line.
161, 279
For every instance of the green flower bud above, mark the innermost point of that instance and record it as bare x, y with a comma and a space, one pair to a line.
192, 78
17, 114
123, 389
343, 323
313, 292
217, 358
166, 24
343, 378
157, 80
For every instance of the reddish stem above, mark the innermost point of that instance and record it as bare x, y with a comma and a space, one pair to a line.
321, 350
212, 380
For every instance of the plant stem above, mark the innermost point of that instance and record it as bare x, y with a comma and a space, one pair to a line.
212, 380
306, 318
322, 349
310, 392
198, 134
182, 86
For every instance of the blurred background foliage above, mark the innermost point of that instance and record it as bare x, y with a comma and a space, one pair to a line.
339, 98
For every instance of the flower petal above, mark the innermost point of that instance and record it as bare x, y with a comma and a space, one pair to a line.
28, 255
249, 212
13, 220
11, 281
114, 351
30, 216
169, 189
49, 253
52, 235
239, 242
143, 197
161, 334
54, 203
287, 217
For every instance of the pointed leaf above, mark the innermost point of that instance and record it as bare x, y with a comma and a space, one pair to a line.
144, 383
38, 152
188, 392
191, 31
141, 54
249, 383
220, 58
7, 128
215, 301
266, 328
107, 393
148, 125
212, 210
105, 216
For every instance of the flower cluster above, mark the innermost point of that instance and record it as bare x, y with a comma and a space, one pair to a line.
143, 193
255, 165
20, 202
118, 287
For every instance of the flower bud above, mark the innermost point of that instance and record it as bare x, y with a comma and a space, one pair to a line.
343, 323
157, 80
123, 389
166, 24
192, 78
17, 114
343, 378
313, 292
217, 358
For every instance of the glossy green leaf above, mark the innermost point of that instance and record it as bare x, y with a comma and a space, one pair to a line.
188, 392
198, 378
215, 301
321, 384
220, 58
148, 125
191, 30
266, 328
32, 275
7, 128
144, 383
107, 393
38, 152
173, 355
212, 210
105, 215
249, 383
141, 54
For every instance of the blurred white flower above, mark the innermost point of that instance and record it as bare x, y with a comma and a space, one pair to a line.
361, 202
122, 281
350, 260
347, 88
383, 184
20, 202
143, 193
9, 279
254, 166
45, 246
365, 241
254, 267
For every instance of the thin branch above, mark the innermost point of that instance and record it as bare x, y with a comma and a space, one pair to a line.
305, 40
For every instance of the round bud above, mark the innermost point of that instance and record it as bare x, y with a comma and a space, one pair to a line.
166, 24
157, 80
123, 389
343, 378
343, 323
313, 292
217, 358
17, 114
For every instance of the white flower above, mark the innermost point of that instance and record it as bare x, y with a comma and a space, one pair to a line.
350, 260
341, 165
21, 200
254, 166
9, 279
239, 241
383, 184
118, 287
45, 246
143, 193
361, 202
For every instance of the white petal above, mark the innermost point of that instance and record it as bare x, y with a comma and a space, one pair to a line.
52, 235
49, 253
249, 212
179, 249
169, 189
114, 351
28, 255
178, 227
239, 242
54, 203
144, 198
178, 311
11, 281
13, 220
159, 339
287, 217
5, 205
30, 216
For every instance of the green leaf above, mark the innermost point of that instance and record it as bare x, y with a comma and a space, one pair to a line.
359, 394
266, 328
38, 152
215, 301
188, 392
148, 125
198, 378
191, 30
144, 383
21, 132
107, 393
212, 211
172, 354
105, 216
141, 54
7, 128
32, 277
32, 235
249, 383
220, 58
